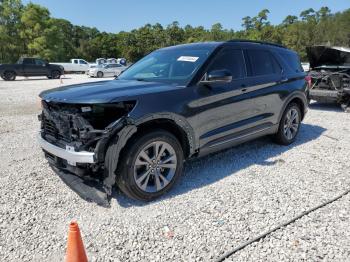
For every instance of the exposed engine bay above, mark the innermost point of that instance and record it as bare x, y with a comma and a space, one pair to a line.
330, 74
87, 128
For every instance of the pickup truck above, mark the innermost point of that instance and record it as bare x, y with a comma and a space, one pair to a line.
76, 65
30, 67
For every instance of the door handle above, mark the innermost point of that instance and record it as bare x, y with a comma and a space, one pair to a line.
284, 80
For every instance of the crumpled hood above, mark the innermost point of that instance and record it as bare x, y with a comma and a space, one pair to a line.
104, 92
326, 55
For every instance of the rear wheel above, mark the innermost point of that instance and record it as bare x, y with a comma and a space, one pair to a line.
55, 74
289, 125
99, 74
150, 166
9, 76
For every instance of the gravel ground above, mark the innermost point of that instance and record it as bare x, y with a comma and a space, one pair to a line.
221, 201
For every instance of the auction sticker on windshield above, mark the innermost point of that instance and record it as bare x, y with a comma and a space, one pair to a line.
188, 58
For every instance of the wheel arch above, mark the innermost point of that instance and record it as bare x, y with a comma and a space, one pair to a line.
174, 124
300, 99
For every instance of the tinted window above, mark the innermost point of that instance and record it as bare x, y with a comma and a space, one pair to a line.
292, 61
232, 60
75, 61
262, 63
39, 62
83, 62
28, 61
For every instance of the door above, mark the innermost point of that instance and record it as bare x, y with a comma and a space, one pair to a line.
34, 67
29, 67
108, 70
83, 65
222, 108
264, 85
116, 69
41, 68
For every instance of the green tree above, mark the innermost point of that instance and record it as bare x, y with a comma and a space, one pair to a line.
34, 21
11, 45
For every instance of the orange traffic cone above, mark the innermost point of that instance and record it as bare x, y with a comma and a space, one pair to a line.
75, 247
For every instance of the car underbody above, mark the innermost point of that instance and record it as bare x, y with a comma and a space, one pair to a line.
79, 133
330, 75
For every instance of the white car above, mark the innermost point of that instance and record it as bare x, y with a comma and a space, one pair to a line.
106, 70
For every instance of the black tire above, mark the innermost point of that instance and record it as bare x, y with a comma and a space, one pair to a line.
99, 74
49, 77
282, 137
55, 74
126, 180
9, 76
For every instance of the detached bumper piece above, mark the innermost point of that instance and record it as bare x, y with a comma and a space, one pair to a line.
91, 191
86, 187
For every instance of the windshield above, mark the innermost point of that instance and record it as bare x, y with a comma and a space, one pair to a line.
176, 66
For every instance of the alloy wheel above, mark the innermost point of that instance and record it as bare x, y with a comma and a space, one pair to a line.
155, 166
291, 123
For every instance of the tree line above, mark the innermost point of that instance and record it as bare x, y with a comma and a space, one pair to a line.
29, 30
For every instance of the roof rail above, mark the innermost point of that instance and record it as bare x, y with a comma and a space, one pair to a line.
256, 42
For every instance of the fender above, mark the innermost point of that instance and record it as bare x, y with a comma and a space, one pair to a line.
178, 120
296, 94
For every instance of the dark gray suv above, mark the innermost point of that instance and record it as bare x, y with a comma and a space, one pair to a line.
176, 103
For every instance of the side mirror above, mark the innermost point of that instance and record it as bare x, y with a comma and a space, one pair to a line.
218, 76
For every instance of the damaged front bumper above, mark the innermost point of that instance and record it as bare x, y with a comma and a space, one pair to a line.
67, 154
76, 151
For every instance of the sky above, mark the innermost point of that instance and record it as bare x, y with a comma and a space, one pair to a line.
124, 15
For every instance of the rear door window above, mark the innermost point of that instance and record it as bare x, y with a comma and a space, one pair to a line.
292, 61
261, 62
39, 62
231, 60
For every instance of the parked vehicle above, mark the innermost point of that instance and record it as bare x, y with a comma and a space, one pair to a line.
76, 65
176, 103
101, 61
330, 74
106, 70
30, 67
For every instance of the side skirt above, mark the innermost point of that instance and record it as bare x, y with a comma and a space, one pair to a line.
237, 138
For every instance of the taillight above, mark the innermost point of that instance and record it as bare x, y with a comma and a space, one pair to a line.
308, 81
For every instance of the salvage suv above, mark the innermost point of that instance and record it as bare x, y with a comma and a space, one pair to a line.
176, 103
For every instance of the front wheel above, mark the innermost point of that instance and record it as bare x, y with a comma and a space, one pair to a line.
99, 74
289, 125
9, 76
150, 166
